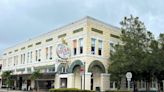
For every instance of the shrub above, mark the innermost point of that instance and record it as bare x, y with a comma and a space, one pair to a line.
117, 91
69, 90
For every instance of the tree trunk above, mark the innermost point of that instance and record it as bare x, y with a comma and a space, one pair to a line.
37, 86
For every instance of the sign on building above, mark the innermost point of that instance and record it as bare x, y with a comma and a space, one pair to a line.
63, 51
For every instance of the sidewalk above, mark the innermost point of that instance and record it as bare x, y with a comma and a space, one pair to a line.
5, 90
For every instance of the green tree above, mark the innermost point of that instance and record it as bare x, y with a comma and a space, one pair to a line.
129, 55
156, 59
7, 77
34, 76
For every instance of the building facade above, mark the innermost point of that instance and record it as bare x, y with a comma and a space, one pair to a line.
73, 56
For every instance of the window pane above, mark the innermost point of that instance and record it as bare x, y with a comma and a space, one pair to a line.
74, 47
74, 43
93, 42
46, 52
51, 52
100, 43
81, 45
93, 45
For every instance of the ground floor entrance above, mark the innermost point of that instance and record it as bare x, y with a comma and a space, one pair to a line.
63, 82
23, 82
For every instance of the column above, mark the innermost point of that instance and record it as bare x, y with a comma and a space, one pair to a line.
105, 82
57, 81
70, 80
87, 81
32, 84
15, 83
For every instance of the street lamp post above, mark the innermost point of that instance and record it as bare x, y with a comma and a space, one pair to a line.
84, 75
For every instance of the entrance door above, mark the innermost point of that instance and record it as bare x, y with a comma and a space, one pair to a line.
28, 84
20, 83
63, 83
92, 81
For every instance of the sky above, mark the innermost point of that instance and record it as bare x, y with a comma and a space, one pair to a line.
21, 20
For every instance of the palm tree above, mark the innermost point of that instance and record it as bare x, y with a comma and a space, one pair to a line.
35, 75
7, 76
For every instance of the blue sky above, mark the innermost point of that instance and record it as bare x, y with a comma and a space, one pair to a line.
21, 20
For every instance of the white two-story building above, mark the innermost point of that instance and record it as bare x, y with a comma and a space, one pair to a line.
63, 55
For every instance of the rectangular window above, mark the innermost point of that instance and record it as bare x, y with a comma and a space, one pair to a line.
93, 44
21, 59
22, 48
29, 46
97, 30
111, 84
111, 47
28, 57
15, 60
24, 59
39, 55
10, 62
78, 30
4, 62
36, 55
48, 40
81, 45
31, 57
74, 47
100, 48
16, 50
38, 43
114, 36
50, 52
62, 35
46, 52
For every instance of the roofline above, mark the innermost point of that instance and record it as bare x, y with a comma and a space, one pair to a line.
59, 28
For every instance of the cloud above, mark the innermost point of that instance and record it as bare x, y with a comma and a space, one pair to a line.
23, 19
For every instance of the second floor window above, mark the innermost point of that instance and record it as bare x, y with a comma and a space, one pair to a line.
81, 45
28, 57
74, 47
93, 44
49, 52
111, 47
4, 63
10, 62
22, 58
16, 60
100, 48
38, 55
31, 56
